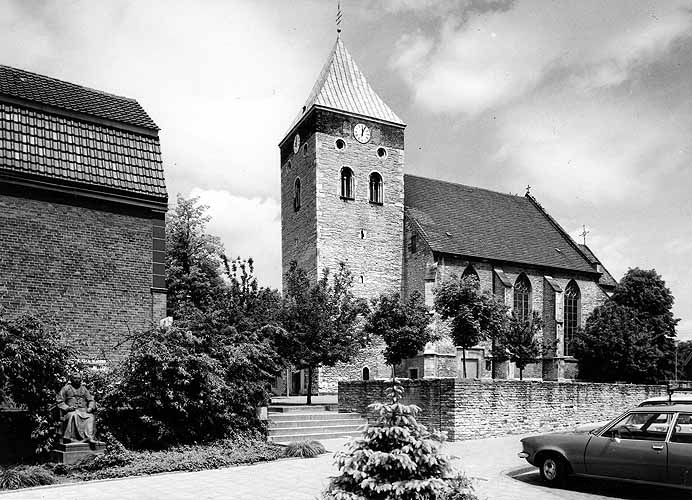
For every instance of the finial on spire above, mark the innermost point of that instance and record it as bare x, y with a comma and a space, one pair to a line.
338, 17
528, 189
584, 232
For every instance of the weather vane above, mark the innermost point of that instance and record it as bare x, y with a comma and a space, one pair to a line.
584, 232
338, 17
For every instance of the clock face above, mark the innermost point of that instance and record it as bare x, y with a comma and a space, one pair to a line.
296, 143
362, 133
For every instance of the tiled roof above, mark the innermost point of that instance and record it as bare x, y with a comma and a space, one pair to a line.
475, 222
64, 95
606, 278
342, 86
58, 150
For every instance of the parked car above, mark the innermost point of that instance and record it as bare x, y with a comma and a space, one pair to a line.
648, 444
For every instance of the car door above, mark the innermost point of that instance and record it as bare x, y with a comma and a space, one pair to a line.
633, 448
680, 451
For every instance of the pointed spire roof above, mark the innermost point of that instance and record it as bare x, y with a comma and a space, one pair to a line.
342, 87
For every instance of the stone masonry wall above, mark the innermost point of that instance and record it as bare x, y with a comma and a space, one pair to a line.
470, 409
85, 264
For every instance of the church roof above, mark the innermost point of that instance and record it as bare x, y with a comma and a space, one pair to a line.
606, 278
474, 222
341, 86
69, 96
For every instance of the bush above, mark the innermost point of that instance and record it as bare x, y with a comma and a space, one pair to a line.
305, 449
187, 384
25, 477
397, 458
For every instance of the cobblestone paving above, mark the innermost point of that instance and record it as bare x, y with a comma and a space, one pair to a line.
484, 460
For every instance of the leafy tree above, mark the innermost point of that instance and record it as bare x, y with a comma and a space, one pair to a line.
397, 458
474, 315
685, 360
319, 320
631, 337
615, 345
34, 363
402, 325
520, 343
194, 259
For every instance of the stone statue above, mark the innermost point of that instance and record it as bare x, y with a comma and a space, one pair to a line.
77, 410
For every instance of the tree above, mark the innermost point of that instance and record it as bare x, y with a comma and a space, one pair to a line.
474, 315
194, 259
397, 458
520, 343
631, 337
402, 325
319, 320
684, 357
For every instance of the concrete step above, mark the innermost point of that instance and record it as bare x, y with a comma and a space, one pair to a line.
301, 416
298, 431
302, 408
285, 439
291, 424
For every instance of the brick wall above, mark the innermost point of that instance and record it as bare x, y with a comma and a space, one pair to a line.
470, 409
85, 264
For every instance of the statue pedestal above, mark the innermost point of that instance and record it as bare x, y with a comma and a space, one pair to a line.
71, 453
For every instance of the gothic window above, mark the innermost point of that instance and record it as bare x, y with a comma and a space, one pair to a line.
366, 373
296, 194
347, 187
572, 310
414, 242
376, 188
470, 273
522, 298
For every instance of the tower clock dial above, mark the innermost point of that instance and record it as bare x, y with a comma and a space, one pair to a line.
296, 143
361, 132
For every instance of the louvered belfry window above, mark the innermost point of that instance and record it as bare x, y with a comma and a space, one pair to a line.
522, 298
347, 188
572, 307
376, 194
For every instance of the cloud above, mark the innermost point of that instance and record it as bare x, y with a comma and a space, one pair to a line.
490, 58
248, 227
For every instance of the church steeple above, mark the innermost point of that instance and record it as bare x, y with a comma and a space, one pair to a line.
341, 86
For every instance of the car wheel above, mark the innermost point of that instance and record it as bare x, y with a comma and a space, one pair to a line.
553, 470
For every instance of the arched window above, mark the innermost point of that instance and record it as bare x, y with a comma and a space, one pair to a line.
470, 273
572, 310
522, 298
366, 373
347, 187
296, 194
376, 194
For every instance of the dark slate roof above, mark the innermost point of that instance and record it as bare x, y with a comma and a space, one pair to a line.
41, 89
474, 222
58, 150
606, 278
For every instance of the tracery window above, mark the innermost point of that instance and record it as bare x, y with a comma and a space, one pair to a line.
572, 310
376, 194
470, 273
522, 298
347, 187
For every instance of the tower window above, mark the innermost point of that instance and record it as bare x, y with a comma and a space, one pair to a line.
572, 308
376, 195
296, 194
382, 153
362, 234
366, 373
522, 298
340, 144
347, 187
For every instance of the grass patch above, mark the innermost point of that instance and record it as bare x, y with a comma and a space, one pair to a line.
305, 449
14, 478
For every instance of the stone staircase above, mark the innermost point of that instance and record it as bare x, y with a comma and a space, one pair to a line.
288, 423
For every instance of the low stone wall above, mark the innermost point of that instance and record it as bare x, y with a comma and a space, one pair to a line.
468, 409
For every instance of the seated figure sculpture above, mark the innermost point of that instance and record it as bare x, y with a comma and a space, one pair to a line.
77, 411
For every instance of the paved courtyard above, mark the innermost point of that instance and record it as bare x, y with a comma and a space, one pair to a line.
487, 461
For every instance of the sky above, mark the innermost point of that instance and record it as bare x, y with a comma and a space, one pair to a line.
588, 102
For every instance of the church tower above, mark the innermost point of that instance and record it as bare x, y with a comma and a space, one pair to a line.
342, 181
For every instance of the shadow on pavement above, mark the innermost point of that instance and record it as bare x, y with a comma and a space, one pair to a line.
609, 489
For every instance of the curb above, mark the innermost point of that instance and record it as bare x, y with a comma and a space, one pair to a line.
518, 471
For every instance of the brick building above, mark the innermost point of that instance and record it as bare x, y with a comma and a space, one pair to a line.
345, 197
82, 210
